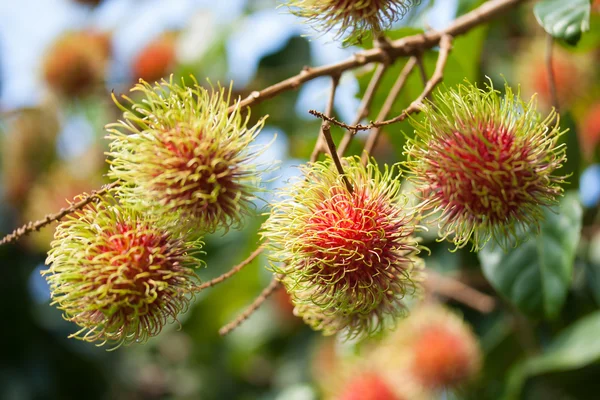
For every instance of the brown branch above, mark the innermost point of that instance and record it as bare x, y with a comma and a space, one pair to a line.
404, 47
232, 271
387, 106
269, 290
48, 219
336, 159
319, 146
365, 105
550, 69
415, 106
458, 291
326, 133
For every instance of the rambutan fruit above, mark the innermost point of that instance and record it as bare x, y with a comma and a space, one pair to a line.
346, 259
434, 349
485, 164
351, 19
156, 60
180, 151
119, 274
75, 65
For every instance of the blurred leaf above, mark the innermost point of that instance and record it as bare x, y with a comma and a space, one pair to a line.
575, 347
564, 19
591, 40
574, 164
536, 275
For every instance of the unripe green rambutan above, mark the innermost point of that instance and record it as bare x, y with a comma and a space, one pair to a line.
119, 274
180, 151
485, 163
351, 18
347, 259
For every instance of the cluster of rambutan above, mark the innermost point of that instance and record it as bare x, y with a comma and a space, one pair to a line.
343, 245
123, 266
347, 256
482, 165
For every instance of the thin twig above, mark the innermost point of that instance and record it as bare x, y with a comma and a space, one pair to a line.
407, 46
365, 105
269, 290
50, 218
550, 69
232, 271
319, 146
422, 71
456, 290
336, 159
387, 106
415, 106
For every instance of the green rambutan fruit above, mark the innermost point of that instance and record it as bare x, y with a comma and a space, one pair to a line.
485, 163
346, 259
179, 150
351, 19
119, 274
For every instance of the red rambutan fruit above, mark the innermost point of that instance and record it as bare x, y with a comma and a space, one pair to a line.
75, 64
119, 274
486, 164
346, 259
156, 60
368, 386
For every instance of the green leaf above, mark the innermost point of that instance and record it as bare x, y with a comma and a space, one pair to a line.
536, 275
575, 347
564, 19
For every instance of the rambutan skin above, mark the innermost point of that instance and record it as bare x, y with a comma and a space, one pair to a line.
180, 151
487, 164
119, 274
351, 19
346, 259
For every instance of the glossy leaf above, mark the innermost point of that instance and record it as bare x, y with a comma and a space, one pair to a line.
575, 347
562, 19
536, 275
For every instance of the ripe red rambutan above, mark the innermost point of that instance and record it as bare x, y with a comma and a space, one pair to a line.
572, 74
347, 259
485, 165
432, 350
75, 64
368, 386
119, 274
156, 60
